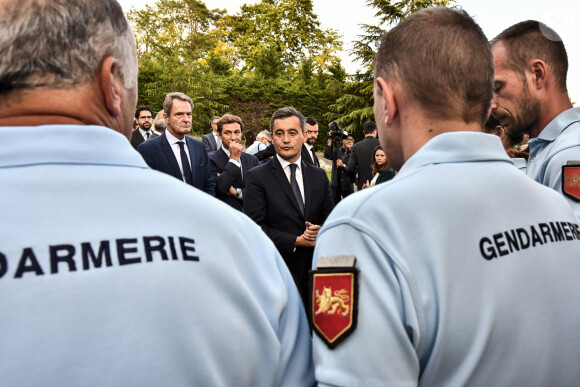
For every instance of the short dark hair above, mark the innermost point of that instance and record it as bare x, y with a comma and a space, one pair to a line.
140, 109
530, 40
213, 118
369, 127
455, 80
229, 119
311, 121
287, 112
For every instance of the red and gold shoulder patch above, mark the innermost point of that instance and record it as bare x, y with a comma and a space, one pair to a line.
571, 180
334, 302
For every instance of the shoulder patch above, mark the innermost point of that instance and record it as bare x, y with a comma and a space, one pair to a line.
571, 180
334, 292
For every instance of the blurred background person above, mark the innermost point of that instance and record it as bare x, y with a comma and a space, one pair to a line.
380, 167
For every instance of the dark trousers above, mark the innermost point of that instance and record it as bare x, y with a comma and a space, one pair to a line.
338, 194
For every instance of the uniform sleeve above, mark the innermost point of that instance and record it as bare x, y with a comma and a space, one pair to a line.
381, 349
296, 366
553, 175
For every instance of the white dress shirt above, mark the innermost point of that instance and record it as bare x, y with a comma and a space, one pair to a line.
286, 166
173, 141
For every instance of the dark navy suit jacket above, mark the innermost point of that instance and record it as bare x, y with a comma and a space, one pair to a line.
270, 202
158, 154
230, 175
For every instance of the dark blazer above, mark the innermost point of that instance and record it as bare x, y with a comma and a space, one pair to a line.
270, 202
158, 154
345, 181
230, 175
137, 139
307, 156
361, 157
209, 142
264, 154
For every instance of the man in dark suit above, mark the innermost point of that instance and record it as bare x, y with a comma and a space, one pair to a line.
175, 153
230, 163
144, 120
310, 136
211, 141
361, 155
288, 197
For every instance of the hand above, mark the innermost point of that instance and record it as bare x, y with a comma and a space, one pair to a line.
366, 185
311, 232
301, 242
235, 150
339, 163
232, 191
329, 143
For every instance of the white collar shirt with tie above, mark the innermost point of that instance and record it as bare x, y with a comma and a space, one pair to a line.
299, 179
174, 142
144, 134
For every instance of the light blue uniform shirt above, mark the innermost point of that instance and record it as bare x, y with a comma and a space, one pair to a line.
558, 143
112, 274
446, 298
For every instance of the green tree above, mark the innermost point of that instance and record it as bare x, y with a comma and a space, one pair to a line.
355, 106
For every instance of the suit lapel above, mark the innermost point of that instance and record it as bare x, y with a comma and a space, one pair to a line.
192, 159
307, 177
281, 178
170, 156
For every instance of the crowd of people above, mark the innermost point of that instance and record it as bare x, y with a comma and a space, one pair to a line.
443, 250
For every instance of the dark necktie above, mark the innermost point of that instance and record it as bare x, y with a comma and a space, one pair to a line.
295, 187
185, 163
314, 158
147, 134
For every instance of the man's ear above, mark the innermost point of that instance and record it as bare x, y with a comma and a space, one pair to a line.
388, 95
539, 70
111, 84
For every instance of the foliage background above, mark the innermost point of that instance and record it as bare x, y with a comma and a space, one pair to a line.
270, 54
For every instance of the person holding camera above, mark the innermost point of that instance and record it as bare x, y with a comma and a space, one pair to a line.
338, 151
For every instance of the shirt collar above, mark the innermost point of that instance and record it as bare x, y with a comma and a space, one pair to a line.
559, 124
226, 151
67, 144
457, 147
285, 163
172, 139
144, 131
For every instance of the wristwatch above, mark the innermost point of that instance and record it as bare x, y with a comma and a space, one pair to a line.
238, 192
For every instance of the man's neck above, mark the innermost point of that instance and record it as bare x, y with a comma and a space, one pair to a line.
551, 108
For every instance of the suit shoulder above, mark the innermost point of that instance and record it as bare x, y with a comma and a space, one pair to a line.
150, 144
250, 158
261, 169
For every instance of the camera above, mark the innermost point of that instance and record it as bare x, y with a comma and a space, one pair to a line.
336, 134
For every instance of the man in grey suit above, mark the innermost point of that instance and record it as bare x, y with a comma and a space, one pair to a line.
361, 155
212, 141
144, 120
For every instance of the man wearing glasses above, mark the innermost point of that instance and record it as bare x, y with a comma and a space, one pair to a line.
144, 119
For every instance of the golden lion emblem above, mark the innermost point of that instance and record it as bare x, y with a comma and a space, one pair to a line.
327, 303
574, 180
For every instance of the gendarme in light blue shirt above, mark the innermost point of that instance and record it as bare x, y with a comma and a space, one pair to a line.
98, 289
468, 275
558, 143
